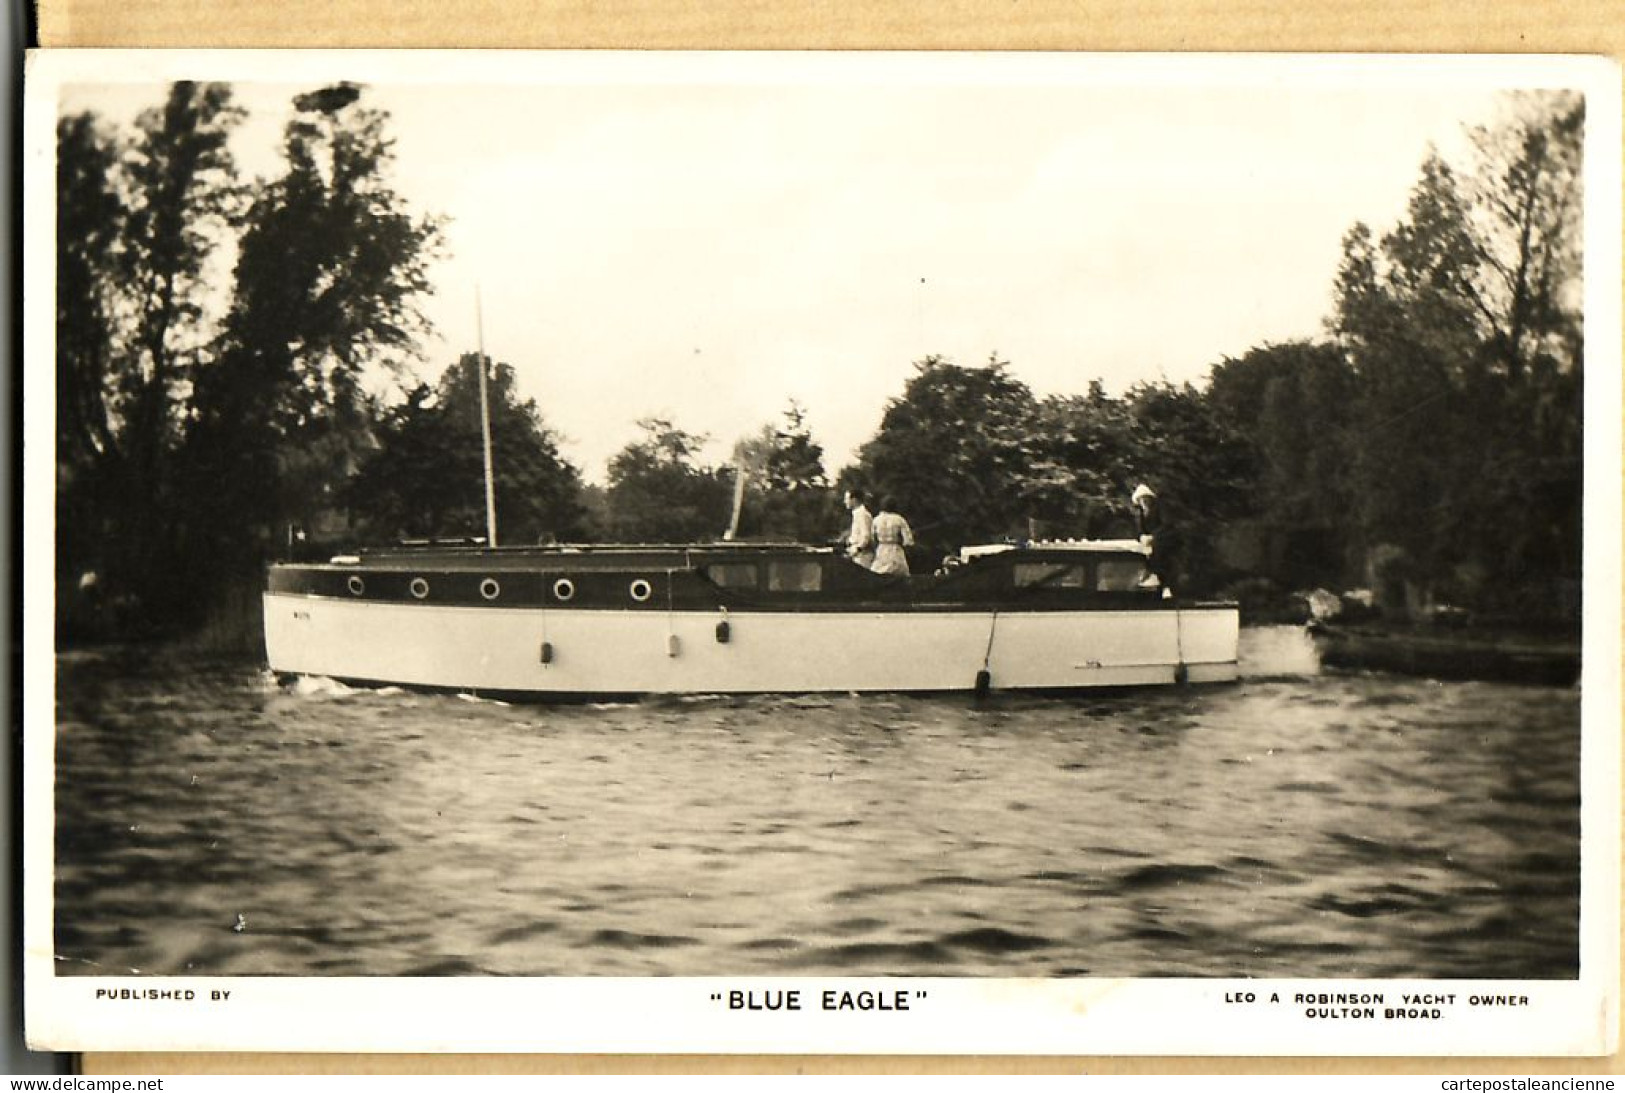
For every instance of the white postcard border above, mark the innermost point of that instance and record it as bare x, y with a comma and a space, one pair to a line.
944, 1016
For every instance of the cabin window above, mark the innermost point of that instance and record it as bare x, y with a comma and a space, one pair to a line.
733, 575
1119, 574
1048, 575
794, 577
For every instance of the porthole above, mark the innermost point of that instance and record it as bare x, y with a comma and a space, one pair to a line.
564, 590
419, 587
490, 589
356, 585
640, 590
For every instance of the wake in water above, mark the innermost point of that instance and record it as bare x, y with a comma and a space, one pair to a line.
320, 687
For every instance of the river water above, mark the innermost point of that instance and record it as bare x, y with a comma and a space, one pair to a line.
213, 822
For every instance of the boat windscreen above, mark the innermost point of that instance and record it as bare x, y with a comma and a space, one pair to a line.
794, 576
1049, 575
1119, 574
741, 575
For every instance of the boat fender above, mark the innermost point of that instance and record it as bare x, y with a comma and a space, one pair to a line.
547, 652
1182, 674
673, 646
984, 678
724, 632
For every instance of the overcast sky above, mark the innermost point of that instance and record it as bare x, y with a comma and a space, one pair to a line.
708, 240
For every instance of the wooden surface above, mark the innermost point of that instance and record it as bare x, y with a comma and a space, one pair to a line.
1400, 26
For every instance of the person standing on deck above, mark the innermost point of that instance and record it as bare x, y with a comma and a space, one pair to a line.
1148, 525
860, 539
892, 534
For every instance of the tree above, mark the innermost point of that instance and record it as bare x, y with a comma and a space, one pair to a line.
787, 496
1083, 454
658, 493
1294, 405
1201, 470
89, 223
426, 477
1528, 182
1526, 190
329, 274
138, 222
1464, 330
797, 460
953, 451
332, 264
183, 195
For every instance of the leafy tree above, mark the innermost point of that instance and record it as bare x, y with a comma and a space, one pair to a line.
1084, 449
1294, 405
972, 456
183, 194
332, 263
657, 492
329, 274
953, 450
427, 479
89, 220
138, 222
1527, 190
1201, 470
182, 183
1464, 330
89, 223
787, 496
797, 460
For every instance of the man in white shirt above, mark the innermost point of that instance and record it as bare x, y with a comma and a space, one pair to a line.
860, 539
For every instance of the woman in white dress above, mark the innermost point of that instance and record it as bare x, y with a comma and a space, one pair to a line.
892, 534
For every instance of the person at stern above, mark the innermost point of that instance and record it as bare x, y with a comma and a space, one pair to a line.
1149, 525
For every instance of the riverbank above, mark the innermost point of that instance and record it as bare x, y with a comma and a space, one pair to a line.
1502, 655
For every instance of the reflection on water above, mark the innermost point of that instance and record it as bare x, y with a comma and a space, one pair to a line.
1289, 825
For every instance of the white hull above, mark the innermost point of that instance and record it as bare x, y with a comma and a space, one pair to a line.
634, 652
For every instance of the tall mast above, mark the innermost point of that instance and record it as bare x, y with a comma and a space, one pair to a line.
485, 427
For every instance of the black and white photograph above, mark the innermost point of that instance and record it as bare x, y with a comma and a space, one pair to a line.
812, 552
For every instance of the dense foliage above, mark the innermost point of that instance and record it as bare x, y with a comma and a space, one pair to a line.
1463, 330
1429, 445
426, 478
659, 493
138, 220
190, 440
329, 270
780, 488
953, 449
971, 455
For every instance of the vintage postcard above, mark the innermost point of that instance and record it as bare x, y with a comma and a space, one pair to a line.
822, 553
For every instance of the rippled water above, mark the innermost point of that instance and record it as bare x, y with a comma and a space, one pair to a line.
211, 822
